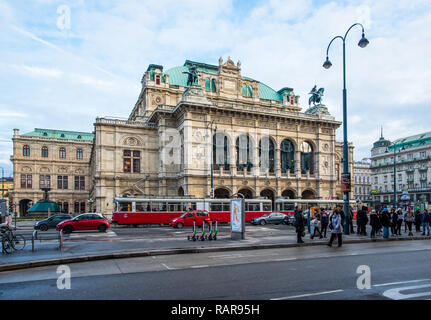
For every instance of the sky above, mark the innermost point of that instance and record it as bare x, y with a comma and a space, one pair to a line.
64, 63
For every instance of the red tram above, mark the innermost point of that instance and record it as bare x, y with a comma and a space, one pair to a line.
155, 210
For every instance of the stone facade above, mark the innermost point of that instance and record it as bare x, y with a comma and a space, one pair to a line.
35, 168
172, 128
362, 179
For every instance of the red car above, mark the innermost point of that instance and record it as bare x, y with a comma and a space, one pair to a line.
85, 221
186, 219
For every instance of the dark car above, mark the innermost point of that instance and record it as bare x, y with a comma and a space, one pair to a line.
275, 218
51, 222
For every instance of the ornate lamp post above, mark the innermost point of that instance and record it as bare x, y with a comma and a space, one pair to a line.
327, 64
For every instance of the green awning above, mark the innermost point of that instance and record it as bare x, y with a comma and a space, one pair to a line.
44, 205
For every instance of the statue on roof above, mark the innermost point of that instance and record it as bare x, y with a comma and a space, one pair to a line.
192, 79
316, 96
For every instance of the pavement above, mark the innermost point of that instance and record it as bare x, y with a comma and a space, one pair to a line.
123, 242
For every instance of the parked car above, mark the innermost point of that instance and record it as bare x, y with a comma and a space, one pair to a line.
187, 218
275, 218
51, 222
85, 221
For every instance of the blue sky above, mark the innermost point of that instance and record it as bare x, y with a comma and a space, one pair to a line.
62, 77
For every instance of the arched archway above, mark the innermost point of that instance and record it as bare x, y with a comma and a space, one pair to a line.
287, 156
247, 193
181, 192
308, 194
268, 193
24, 206
266, 154
288, 194
221, 193
307, 157
244, 150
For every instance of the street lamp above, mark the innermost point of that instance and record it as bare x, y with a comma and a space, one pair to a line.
210, 126
327, 64
395, 175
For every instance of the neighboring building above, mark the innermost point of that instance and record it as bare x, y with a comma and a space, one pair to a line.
259, 140
6, 185
412, 163
53, 159
362, 181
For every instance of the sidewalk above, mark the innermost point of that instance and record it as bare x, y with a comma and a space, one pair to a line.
89, 246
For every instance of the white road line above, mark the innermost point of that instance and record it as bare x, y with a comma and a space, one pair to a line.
401, 282
167, 267
204, 266
285, 259
395, 294
308, 295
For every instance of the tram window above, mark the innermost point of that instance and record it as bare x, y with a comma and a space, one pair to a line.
155, 206
216, 207
266, 207
226, 206
174, 206
253, 207
193, 206
141, 206
125, 206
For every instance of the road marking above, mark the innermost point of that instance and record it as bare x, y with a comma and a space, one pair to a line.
308, 295
395, 294
286, 259
167, 267
203, 266
401, 282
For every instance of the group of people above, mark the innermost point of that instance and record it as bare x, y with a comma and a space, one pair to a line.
383, 222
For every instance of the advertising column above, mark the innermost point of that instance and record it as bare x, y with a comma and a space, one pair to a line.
237, 219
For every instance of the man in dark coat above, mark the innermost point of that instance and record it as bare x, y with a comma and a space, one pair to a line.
362, 220
299, 224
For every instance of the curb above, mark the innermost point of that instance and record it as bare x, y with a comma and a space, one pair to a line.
172, 251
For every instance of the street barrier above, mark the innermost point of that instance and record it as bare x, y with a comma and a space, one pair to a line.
44, 236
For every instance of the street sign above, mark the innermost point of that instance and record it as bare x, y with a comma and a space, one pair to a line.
345, 182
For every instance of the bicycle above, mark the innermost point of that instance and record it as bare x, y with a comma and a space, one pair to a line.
11, 241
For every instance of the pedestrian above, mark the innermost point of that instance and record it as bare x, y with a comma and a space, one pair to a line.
335, 226
418, 221
400, 218
324, 220
299, 225
408, 218
386, 222
351, 220
379, 222
425, 219
362, 220
315, 224
373, 223
394, 217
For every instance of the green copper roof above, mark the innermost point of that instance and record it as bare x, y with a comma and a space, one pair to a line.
177, 77
60, 134
412, 141
44, 205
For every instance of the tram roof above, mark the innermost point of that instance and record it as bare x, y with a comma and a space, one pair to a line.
182, 199
320, 201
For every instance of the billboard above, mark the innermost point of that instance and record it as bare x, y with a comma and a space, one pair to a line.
345, 182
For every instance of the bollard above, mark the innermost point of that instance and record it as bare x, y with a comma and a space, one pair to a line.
60, 240
32, 240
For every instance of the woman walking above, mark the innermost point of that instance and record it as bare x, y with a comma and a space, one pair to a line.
335, 227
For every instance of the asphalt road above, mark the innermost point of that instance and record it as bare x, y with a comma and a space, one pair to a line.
398, 270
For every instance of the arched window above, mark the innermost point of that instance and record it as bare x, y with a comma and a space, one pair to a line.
244, 90
287, 156
62, 153
213, 85
243, 153
249, 91
26, 151
220, 151
207, 84
306, 158
44, 152
266, 154
79, 154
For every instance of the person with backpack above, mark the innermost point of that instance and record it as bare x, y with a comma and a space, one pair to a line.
373, 223
425, 219
386, 222
335, 226
324, 220
408, 218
